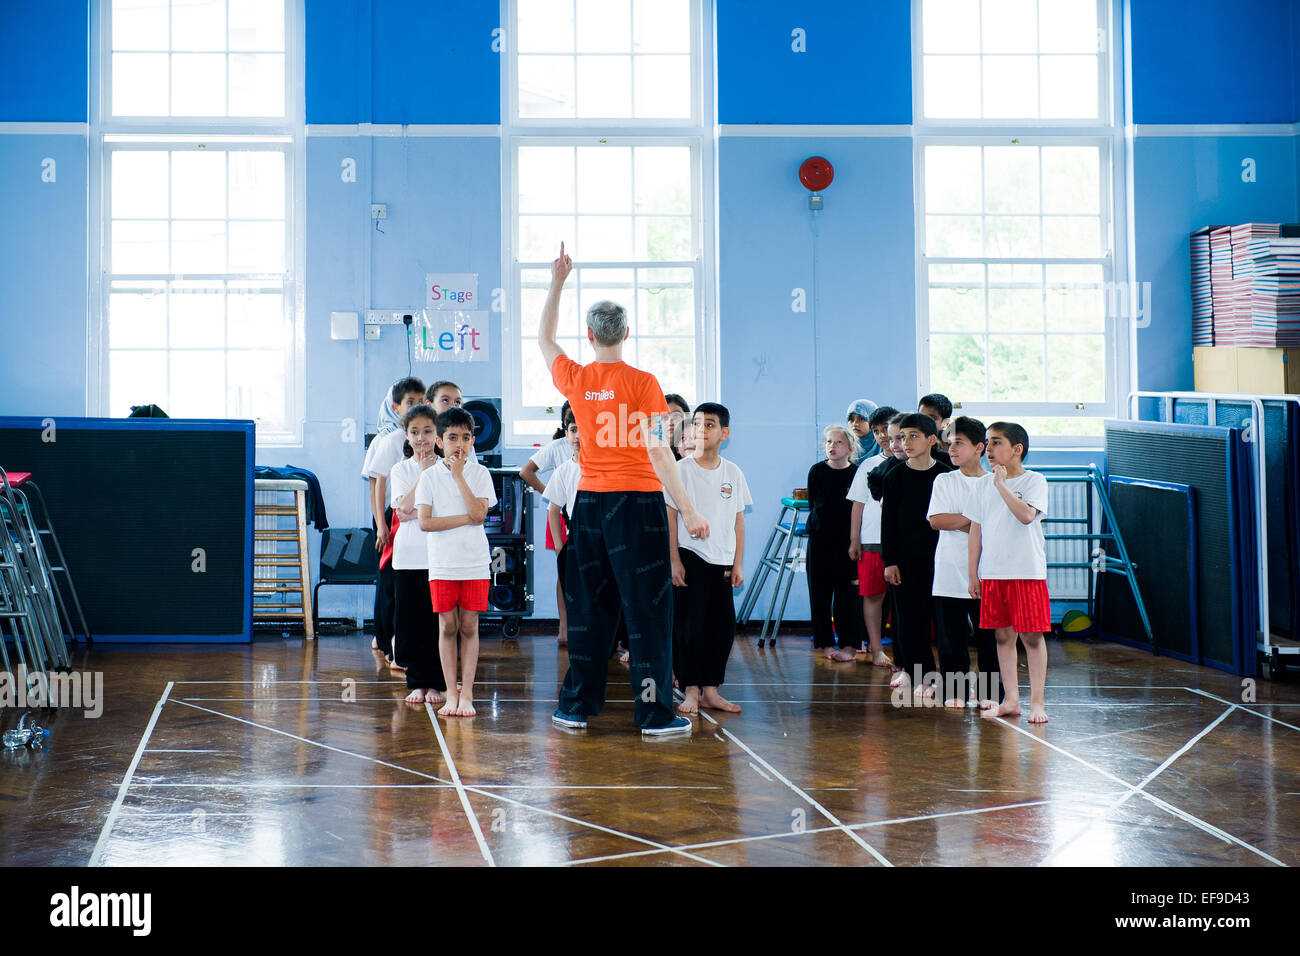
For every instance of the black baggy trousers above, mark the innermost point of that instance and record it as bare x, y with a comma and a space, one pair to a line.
619, 565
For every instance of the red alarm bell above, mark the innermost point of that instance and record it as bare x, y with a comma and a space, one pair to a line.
816, 173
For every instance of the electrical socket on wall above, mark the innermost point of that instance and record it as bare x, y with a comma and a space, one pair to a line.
379, 210
372, 333
388, 316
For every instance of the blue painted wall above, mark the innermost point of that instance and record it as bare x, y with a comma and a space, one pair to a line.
43, 327
402, 61
1208, 61
43, 61
785, 374
856, 68
1181, 184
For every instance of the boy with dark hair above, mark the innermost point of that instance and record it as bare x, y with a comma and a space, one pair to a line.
939, 408
385, 451
907, 544
706, 570
957, 614
453, 498
1008, 565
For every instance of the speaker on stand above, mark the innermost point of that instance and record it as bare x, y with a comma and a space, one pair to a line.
487, 429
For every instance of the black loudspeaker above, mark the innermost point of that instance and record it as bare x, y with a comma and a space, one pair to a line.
487, 429
505, 598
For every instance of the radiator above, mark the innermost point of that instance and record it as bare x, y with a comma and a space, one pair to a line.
1069, 499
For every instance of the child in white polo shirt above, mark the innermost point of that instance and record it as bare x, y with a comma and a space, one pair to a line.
1008, 565
956, 613
453, 498
706, 570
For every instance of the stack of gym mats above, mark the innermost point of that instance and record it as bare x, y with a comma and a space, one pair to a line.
1246, 285
1214, 465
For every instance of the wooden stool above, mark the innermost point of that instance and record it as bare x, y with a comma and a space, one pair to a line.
271, 532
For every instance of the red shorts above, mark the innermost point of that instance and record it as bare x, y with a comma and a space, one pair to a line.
871, 574
467, 595
1019, 604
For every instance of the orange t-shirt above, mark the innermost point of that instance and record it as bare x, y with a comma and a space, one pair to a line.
609, 401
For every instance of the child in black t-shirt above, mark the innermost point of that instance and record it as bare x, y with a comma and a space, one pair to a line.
907, 544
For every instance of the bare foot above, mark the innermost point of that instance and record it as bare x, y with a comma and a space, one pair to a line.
374, 643
691, 703
1037, 714
840, 654
1002, 710
899, 679
880, 660
860, 652
955, 702
562, 641
452, 707
466, 706
394, 666
432, 696
416, 696
675, 684
711, 699
924, 692
624, 656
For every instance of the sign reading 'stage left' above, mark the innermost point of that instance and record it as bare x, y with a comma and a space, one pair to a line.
450, 328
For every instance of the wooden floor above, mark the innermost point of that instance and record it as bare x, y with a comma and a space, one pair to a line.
252, 754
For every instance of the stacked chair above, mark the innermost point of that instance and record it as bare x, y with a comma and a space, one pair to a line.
34, 610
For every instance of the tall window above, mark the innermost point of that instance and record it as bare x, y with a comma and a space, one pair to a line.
198, 252
604, 149
1016, 224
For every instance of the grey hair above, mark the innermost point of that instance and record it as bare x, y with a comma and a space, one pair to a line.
608, 322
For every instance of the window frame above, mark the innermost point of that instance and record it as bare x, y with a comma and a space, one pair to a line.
697, 135
1109, 136
1105, 83
287, 134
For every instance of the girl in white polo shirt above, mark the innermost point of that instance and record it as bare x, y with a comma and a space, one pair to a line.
415, 643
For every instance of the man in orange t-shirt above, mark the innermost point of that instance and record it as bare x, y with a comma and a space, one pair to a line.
619, 562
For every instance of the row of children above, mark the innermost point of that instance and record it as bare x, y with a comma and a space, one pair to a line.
943, 546
704, 571
429, 497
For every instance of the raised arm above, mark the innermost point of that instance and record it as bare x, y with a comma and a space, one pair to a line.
560, 270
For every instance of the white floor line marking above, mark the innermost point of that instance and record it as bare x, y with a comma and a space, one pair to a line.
1141, 786
1118, 733
183, 750
97, 855
659, 847
830, 829
1241, 707
460, 787
429, 776
315, 743
758, 770
1195, 821
804, 795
